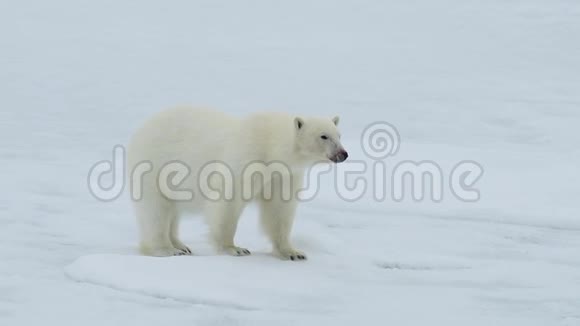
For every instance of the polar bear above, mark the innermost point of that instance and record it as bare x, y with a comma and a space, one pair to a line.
217, 151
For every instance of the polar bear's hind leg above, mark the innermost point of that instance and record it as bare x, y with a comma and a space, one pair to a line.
155, 220
174, 236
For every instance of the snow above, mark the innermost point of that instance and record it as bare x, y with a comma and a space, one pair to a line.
495, 82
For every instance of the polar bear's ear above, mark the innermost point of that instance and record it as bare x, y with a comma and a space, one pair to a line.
336, 120
299, 123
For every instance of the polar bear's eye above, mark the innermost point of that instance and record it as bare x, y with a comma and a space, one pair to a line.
325, 137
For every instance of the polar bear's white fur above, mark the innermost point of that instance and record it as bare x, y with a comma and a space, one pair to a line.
199, 138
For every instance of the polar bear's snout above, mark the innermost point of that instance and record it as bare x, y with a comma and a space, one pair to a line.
340, 156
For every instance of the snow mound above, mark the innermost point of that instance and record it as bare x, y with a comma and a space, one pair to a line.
242, 284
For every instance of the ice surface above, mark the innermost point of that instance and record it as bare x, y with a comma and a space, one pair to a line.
496, 82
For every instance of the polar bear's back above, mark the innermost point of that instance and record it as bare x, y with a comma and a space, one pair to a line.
182, 134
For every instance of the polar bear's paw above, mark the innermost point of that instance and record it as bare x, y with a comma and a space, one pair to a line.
184, 251
183, 248
236, 251
167, 252
291, 254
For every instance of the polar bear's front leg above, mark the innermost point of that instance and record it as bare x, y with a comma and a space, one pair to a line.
277, 217
222, 218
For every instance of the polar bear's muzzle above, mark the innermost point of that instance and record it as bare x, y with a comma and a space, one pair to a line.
339, 157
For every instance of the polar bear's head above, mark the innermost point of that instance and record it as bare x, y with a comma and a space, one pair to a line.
319, 139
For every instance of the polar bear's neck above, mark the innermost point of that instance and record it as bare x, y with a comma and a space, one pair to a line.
270, 137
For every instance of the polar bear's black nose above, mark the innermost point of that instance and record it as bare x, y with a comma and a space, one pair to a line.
341, 156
